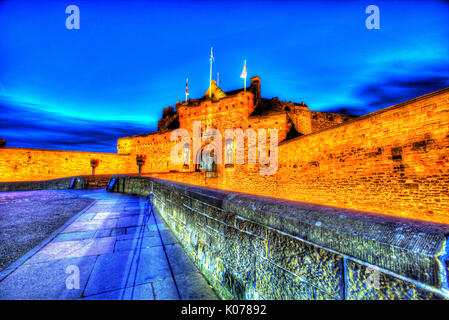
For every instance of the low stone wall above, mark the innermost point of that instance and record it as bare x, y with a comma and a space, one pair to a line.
254, 247
82, 182
26, 164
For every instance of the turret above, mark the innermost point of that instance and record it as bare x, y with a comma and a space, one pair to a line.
255, 89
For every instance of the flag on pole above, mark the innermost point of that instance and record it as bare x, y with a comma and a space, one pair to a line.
244, 74
187, 87
211, 54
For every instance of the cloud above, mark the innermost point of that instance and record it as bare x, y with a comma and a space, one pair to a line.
24, 125
393, 89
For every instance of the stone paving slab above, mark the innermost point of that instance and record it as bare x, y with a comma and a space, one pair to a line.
92, 225
133, 233
151, 239
46, 280
131, 221
179, 261
80, 235
72, 249
191, 286
111, 215
121, 252
110, 232
86, 217
139, 292
130, 269
156, 226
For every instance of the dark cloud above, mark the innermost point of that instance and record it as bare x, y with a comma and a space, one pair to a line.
348, 110
390, 91
25, 126
393, 91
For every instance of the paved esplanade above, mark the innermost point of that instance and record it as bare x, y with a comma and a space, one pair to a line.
122, 250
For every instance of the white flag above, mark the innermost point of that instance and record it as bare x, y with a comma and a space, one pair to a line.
243, 75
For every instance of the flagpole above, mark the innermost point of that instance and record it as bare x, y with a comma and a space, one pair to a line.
187, 81
245, 76
210, 78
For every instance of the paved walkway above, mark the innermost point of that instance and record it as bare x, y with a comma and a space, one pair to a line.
121, 249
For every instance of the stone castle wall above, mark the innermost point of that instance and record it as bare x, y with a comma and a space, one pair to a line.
20, 164
394, 161
322, 120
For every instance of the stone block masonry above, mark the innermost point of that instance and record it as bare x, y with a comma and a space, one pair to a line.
21, 164
254, 247
394, 161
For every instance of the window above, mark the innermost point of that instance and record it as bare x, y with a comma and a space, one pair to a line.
229, 147
186, 155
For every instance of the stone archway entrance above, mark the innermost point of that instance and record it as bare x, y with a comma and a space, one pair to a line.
208, 165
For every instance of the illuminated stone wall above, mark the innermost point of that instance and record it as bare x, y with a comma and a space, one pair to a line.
156, 149
253, 247
394, 161
17, 164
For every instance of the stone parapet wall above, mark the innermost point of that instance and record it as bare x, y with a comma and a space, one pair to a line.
81, 182
22, 164
54, 184
253, 247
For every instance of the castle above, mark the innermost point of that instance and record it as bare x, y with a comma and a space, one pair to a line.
394, 161
220, 110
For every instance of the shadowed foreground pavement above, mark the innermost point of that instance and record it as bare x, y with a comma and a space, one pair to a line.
122, 249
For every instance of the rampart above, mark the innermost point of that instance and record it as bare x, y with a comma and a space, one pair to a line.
253, 247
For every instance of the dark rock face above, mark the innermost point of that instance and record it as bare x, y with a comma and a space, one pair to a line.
168, 123
2, 142
169, 120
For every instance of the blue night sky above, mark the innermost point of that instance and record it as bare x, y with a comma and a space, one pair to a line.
82, 89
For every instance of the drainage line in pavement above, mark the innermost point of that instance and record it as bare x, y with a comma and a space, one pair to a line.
139, 247
149, 205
